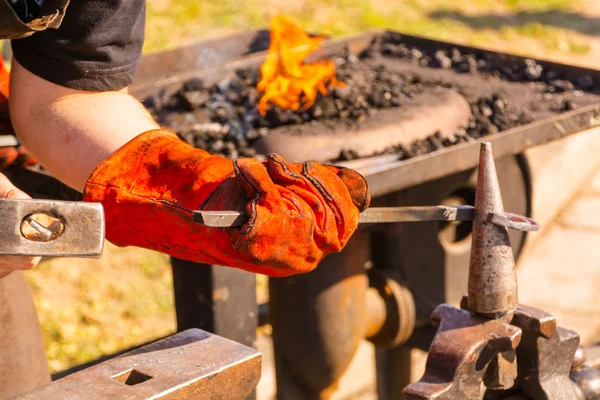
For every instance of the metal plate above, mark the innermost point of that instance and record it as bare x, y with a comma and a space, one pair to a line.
190, 365
82, 234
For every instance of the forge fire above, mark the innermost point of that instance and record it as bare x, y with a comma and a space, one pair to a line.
286, 80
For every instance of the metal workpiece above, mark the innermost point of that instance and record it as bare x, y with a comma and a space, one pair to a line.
386, 215
492, 287
193, 364
460, 353
373, 215
51, 228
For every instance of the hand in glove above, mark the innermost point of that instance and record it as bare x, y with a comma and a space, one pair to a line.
298, 213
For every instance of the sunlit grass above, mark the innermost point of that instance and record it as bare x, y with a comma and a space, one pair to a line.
89, 308
172, 23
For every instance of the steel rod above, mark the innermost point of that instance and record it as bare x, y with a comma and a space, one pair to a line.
228, 219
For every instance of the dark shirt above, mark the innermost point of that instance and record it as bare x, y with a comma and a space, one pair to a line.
97, 47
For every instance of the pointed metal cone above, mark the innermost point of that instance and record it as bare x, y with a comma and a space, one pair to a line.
492, 287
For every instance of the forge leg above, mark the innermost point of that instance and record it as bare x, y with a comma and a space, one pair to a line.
318, 321
216, 299
398, 360
23, 365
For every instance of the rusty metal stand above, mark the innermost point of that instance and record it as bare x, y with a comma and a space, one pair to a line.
493, 347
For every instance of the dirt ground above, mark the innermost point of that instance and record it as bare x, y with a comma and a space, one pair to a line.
93, 307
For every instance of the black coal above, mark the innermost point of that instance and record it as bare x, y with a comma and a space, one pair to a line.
222, 118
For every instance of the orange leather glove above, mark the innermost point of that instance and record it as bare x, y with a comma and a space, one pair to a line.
298, 213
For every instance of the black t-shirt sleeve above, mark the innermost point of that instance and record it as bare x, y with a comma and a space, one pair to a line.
97, 47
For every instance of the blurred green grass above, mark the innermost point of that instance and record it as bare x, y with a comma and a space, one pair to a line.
483, 23
89, 308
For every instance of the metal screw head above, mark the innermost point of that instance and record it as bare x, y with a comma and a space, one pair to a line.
41, 227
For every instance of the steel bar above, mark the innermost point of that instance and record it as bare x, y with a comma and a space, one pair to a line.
227, 219
190, 365
51, 228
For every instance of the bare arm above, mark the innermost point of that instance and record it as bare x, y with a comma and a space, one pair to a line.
70, 132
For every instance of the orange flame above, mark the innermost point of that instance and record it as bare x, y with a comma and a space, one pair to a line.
286, 81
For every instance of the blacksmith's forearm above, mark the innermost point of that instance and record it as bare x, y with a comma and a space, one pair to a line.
70, 132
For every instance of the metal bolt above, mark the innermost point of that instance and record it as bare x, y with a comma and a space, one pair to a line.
41, 227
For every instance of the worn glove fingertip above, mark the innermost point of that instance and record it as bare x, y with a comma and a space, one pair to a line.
357, 186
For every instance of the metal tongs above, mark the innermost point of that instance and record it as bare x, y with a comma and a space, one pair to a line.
382, 215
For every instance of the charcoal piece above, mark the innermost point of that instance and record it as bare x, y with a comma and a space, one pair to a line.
217, 146
178, 120
193, 99
388, 49
347, 155
240, 142
435, 141
220, 114
193, 85
416, 54
150, 103
247, 152
252, 135
455, 55
328, 107
567, 105
533, 71
562, 85
342, 93
585, 82
486, 111
200, 143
